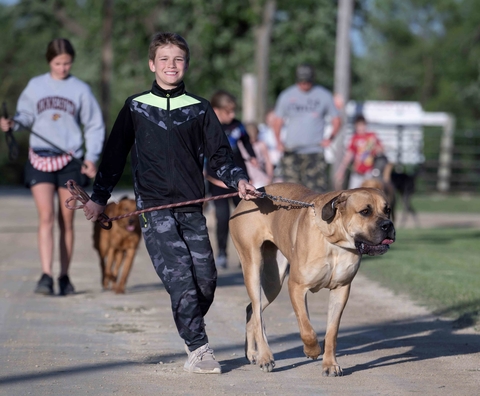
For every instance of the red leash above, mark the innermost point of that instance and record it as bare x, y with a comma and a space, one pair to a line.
78, 193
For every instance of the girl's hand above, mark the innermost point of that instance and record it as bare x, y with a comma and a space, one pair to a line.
89, 169
6, 124
254, 162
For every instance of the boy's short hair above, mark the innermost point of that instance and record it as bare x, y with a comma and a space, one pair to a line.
164, 38
222, 98
59, 46
360, 118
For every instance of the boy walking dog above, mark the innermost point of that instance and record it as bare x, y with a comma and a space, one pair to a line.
169, 132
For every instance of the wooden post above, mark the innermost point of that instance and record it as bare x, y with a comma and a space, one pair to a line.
342, 76
445, 157
249, 98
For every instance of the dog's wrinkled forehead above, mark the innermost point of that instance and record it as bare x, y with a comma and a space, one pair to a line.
354, 201
363, 198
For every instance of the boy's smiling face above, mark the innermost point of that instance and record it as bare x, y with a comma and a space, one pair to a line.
169, 66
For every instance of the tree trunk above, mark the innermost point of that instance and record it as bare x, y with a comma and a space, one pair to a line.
107, 60
262, 52
342, 78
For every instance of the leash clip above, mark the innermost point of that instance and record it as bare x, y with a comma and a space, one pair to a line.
260, 194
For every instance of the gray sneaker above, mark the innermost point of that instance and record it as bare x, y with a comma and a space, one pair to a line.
202, 361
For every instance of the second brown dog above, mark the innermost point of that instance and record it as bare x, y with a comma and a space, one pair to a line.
387, 188
382, 180
117, 247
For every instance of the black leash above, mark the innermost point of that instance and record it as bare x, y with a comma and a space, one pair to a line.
11, 142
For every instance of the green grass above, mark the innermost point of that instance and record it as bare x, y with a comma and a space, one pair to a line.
465, 203
438, 268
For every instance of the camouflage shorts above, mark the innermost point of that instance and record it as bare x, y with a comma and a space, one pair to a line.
309, 170
180, 250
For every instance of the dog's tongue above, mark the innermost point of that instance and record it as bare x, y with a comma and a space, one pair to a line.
130, 227
387, 241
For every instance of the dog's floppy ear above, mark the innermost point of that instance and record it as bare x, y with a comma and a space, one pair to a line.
330, 208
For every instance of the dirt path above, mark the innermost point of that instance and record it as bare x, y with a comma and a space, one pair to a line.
99, 343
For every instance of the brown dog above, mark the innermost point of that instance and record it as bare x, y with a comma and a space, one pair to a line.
320, 247
118, 245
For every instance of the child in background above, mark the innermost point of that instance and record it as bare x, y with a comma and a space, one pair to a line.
224, 105
62, 109
267, 135
262, 174
363, 148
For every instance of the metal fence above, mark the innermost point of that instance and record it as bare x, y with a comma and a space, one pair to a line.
465, 165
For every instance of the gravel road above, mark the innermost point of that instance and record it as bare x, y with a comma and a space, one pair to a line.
99, 343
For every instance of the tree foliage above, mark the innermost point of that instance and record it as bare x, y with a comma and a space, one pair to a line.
220, 34
422, 51
414, 49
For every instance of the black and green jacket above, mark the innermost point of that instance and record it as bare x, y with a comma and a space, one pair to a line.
169, 135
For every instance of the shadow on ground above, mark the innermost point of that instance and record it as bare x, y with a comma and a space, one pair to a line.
424, 340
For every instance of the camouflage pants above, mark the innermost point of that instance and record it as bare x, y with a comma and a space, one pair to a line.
309, 170
180, 250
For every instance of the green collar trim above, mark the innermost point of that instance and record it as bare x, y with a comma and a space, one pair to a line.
175, 103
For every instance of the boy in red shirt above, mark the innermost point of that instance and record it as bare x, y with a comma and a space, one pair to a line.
363, 148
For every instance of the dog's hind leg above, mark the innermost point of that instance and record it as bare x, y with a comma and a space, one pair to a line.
275, 269
410, 209
257, 350
273, 273
337, 300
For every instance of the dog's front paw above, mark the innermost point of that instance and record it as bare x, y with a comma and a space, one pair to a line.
119, 289
251, 357
312, 351
332, 371
266, 365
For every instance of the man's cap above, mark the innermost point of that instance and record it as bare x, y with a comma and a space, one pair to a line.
305, 73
